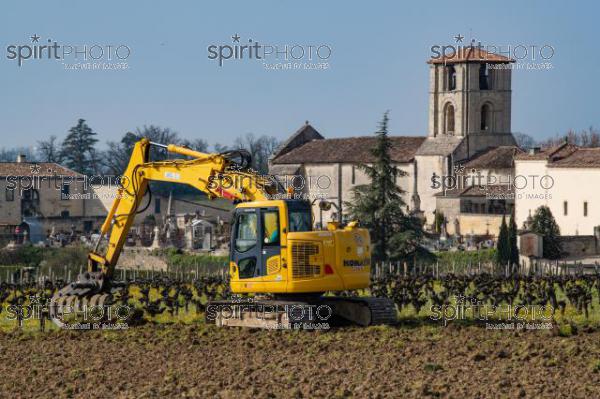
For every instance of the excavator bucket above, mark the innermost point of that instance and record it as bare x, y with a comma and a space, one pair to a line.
87, 300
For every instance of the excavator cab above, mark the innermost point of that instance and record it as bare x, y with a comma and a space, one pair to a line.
259, 235
274, 250
258, 232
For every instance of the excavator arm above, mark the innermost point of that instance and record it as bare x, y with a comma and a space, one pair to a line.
218, 175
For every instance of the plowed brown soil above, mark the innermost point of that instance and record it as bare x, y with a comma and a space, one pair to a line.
202, 362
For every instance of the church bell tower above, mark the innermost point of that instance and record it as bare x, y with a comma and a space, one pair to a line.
470, 97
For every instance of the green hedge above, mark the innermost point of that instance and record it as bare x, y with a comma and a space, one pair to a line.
29, 255
181, 261
466, 257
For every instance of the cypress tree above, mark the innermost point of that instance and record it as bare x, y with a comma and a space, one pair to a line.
512, 241
502, 247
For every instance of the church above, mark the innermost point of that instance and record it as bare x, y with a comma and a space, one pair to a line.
469, 133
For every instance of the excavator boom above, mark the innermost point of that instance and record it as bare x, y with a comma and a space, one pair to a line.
209, 173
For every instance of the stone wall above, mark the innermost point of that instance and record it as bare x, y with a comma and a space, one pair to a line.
428, 165
140, 259
480, 224
335, 181
579, 245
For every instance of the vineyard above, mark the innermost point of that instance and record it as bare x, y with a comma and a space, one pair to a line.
567, 300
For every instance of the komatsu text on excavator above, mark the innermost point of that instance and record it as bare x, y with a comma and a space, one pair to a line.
274, 252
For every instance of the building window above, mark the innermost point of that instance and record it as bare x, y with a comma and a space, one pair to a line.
451, 72
157, 205
353, 174
486, 117
65, 191
449, 119
31, 194
585, 209
10, 194
565, 208
484, 77
64, 214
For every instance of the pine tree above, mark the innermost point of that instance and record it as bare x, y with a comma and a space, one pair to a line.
379, 205
502, 247
78, 150
512, 241
544, 224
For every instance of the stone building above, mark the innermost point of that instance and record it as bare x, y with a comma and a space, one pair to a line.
469, 118
484, 193
43, 198
47, 195
320, 168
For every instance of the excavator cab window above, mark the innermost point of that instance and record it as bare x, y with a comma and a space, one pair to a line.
256, 238
246, 251
270, 221
300, 216
246, 235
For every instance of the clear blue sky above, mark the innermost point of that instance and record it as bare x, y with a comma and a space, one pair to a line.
378, 63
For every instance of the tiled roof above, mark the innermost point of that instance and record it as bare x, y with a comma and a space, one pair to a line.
551, 153
350, 150
494, 158
45, 169
303, 135
470, 54
580, 158
440, 145
565, 155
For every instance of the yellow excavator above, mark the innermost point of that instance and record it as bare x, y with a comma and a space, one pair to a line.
275, 254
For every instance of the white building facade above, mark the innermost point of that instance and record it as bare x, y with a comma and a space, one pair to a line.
565, 179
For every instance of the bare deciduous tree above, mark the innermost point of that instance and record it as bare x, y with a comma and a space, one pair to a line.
260, 148
49, 150
585, 138
10, 154
524, 140
117, 156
